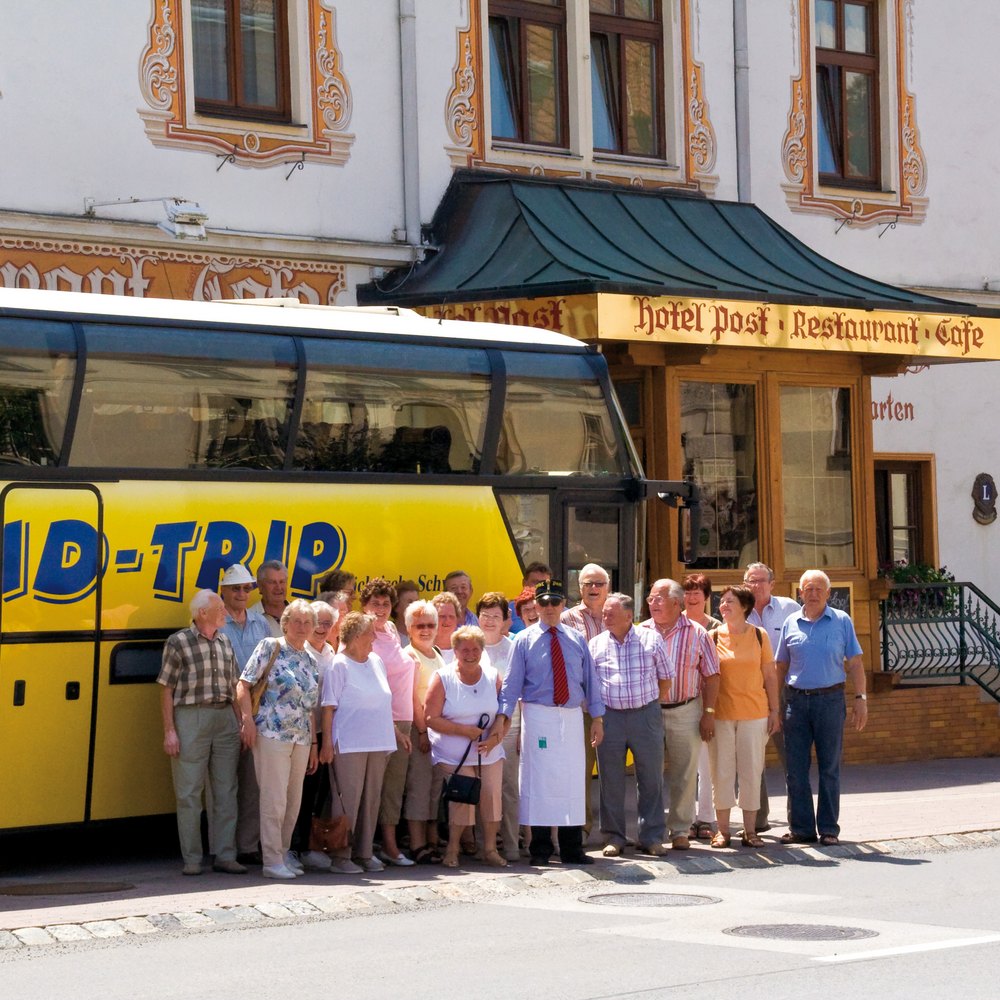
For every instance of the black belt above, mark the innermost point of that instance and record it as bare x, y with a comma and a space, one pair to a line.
687, 701
826, 690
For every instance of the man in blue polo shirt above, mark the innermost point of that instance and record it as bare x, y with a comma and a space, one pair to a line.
811, 655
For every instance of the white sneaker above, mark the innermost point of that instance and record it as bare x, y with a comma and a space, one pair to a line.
314, 861
344, 866
277, 871
292, 862
372, 865
399, 860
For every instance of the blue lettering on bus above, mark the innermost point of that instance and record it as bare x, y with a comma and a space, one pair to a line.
226, 542
321, 548
173, 541
15, 563
68, 568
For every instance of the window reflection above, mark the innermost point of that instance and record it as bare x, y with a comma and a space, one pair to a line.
816, 476
718, 436
34, 401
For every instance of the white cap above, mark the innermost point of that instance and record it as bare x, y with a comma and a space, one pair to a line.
237, 573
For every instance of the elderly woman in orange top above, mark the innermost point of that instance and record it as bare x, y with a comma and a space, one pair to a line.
377, 599
450, 614
746, 714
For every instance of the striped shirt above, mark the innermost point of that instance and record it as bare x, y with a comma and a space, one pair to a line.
693, 655
201, 671
583, 620
630, 670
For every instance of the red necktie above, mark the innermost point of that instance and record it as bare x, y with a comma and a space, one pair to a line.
560, 686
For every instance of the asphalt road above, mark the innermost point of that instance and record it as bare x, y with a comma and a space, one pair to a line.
931, 926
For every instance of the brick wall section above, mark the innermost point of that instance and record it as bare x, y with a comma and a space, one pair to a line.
921, 724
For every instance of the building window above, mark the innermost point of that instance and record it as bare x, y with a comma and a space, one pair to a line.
816, 477
846, 38
241, 58
528, 71
905, 517
719, 441
626, 44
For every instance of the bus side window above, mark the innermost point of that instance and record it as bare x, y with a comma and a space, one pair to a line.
37, 366
135, 662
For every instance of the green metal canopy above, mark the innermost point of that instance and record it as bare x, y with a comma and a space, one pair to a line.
504, 236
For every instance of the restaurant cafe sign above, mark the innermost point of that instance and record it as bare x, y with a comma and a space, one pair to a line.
736, 323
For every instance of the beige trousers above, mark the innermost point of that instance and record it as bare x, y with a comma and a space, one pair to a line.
280, 769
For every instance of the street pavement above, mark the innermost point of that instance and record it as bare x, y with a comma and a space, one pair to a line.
50, 897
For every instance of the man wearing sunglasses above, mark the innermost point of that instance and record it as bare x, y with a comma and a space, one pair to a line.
552, 673
244, 628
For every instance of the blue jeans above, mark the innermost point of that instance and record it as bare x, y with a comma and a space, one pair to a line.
813, 720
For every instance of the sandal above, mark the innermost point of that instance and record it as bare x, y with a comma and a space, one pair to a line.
426, 856
829, 840
751, 840
494, 859
703, 831
450, 861
721, 840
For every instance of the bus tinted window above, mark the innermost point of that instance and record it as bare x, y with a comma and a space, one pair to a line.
183, 414
366, 421
554, 427
35, 386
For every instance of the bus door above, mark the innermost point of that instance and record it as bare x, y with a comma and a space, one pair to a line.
566, 530
51, 556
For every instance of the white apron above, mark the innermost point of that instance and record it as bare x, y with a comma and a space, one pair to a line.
553, 762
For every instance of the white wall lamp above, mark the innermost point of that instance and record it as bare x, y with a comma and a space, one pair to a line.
185, 220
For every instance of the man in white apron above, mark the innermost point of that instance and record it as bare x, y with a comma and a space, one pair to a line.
552, 673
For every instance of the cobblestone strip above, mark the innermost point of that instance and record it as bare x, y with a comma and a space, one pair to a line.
471, 890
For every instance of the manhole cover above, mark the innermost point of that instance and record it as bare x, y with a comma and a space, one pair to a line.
648, 899
801, 932
63, 888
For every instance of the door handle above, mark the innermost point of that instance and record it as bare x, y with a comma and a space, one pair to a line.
19, 692
72, 690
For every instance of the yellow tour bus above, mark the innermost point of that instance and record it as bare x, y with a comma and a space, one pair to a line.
147, 445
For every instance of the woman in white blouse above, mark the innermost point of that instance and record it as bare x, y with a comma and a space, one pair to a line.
358, 736
460, 698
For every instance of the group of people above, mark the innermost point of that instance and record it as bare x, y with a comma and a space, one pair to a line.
281, 712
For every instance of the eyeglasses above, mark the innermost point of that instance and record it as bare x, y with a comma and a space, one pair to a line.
423, 625
242, 586
548, 600
323, 626
598, 584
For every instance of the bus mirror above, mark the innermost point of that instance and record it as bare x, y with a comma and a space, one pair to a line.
686, 496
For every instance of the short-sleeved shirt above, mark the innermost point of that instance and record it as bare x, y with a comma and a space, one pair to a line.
246, 637
201, 671
360, 693
425, 667
692, 653
815, 650
583, 620
630, 670
399, 670
741, 689
286, 706
773, 616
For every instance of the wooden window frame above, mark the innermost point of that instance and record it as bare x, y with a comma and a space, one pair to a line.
869, 65
525, 13
644, 30
921, 469
238, 107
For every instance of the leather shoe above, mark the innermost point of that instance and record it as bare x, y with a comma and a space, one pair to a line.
538, 861
229, 868
657, 850
796, 838
250, 858
680, 843
194, 869
578, 859
612, 851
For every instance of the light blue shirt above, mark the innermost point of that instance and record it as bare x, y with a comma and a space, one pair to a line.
529, 671
246, 637
815, 651
773, 616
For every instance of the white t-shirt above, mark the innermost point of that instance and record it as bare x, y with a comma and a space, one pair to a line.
361, 695
499, 656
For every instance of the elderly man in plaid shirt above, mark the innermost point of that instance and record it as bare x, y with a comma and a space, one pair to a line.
202, 732
687, 700
631, 664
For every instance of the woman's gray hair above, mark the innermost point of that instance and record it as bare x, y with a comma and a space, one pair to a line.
201, 600
355, 623
298, 606
322, 608
420, 608
473, 632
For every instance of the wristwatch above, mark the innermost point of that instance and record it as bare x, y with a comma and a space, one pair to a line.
861, 697
710, 711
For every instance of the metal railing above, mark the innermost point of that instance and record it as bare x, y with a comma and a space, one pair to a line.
934, 631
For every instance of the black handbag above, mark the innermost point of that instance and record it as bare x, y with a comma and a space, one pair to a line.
462, 788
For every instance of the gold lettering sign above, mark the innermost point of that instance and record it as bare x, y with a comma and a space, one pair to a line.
732, 323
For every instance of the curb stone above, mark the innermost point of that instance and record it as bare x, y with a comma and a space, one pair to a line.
372, 900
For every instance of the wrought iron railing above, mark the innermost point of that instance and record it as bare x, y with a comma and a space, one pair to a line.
942, 631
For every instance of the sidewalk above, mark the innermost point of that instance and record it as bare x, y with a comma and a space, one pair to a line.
884, 809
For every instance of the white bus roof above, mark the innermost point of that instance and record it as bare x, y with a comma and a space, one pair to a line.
286, 313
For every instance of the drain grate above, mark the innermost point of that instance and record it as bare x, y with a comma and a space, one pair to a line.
63, 888
648, 899
801, 932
